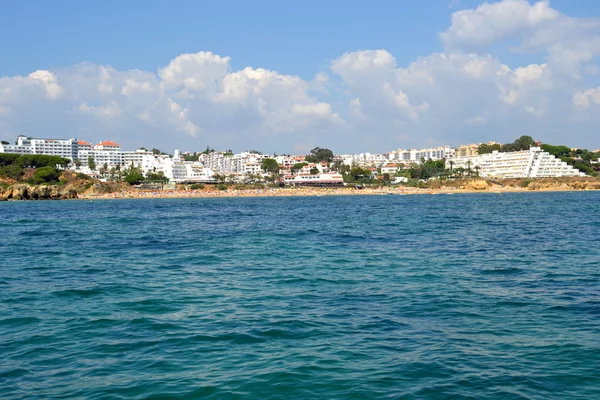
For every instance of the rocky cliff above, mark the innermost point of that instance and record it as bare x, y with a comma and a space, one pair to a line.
37, 192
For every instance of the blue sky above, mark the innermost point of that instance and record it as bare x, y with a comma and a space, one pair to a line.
291, 38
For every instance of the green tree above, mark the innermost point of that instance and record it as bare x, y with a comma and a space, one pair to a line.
522, 143
8, 159
427, 169
134, 177
270, 165
104, 169
319, 154
91, 163
219, 178
485, 148
557, 151
357, 174
298, 166
12, 171
192, 157
154, 177
314, 171
386, 179
46, 175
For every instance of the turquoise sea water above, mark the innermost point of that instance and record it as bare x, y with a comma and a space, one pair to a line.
395, 297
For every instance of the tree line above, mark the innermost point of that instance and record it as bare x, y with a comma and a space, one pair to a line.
47, 168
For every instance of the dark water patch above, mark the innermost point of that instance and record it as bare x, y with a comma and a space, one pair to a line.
237, 338
503, 271
13, 373
152, 306
74, 293
18, 321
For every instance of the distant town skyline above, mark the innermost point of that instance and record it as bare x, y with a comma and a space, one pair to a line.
350, 76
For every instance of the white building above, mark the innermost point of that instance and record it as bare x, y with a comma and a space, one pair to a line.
314, 180
414, 155
390, 168
66, 148
364, 159
532, 163
217, 161
110, 154
179, 171
247, 163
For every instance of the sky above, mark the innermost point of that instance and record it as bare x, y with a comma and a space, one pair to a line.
285, 77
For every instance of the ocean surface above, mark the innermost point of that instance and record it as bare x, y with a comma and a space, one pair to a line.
360, 297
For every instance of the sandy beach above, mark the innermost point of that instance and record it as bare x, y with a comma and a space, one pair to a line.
309, 192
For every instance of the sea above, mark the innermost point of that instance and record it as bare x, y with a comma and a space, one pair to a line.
466, 296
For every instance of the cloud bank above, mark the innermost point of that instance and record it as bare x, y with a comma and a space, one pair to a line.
365, 101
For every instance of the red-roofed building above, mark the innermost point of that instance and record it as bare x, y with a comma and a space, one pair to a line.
83, 145
107, 145
390, 168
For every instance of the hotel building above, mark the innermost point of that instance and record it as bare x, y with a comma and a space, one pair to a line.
532, 163
66, 148
110, 153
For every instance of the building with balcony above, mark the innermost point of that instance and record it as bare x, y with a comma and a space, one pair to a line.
532, 163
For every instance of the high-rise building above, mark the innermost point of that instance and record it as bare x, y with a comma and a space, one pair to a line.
66, 148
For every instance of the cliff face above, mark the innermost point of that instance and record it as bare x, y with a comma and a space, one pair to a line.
65, 191
37, 192
574, 185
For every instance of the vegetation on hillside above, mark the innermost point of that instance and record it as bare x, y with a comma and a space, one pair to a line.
32, 168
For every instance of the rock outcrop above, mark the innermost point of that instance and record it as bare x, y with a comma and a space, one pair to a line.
478, 184
38, 192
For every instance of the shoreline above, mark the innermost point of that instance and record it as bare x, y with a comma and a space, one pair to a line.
312, 192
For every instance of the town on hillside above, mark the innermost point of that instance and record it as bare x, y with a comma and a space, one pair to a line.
524, 158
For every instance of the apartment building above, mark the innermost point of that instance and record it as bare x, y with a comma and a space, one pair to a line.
467, 150
66, 148
416, 155
532, 163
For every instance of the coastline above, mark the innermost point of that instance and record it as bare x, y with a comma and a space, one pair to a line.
311, 192
86, 191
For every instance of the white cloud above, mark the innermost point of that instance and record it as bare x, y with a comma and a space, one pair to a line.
365, 101
320, 83
48, 81
568, 42
198, 71
109, 111
38, 83
530, 73
492, 22
133, 87
195, 99
587, 97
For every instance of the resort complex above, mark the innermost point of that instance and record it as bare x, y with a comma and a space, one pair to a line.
532, 163
106, 159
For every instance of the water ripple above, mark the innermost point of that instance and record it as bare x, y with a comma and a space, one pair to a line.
412, 297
